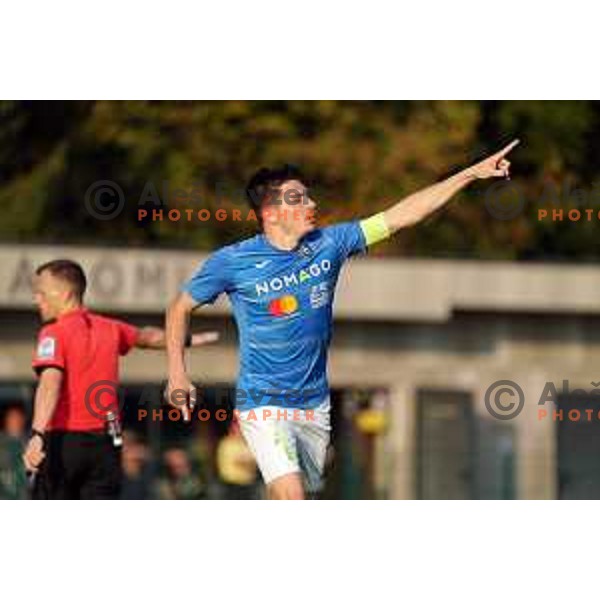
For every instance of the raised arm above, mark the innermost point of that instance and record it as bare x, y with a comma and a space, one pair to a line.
46, 398
416, 207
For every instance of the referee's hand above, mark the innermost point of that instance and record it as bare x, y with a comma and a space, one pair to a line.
34, 454
181, 394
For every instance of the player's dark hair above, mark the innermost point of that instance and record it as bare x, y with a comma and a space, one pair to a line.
266, 181
68, 271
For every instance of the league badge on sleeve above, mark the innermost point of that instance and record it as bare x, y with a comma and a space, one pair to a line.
46, 348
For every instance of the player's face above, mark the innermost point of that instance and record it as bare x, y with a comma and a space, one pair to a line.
50, 295
293, 210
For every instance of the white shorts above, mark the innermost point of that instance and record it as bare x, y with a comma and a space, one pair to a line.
288, 441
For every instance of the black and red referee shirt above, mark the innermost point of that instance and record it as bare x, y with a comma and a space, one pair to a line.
86, 347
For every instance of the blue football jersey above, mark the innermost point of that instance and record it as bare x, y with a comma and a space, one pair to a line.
282, 303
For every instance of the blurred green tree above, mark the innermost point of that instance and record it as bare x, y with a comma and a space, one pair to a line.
361, 156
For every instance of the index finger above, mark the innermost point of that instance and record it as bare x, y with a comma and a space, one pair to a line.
508, 148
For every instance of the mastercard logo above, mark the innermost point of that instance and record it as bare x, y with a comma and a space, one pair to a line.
286, 305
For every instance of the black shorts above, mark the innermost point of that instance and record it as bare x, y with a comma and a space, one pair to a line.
79, 465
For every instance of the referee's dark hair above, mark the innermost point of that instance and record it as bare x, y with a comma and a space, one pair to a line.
266, 181
68, 271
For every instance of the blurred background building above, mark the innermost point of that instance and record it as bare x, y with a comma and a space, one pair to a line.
417, 344
485, 291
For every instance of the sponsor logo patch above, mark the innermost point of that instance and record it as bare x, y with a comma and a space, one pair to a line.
46, 348
294, 278
305, 250
286, 305
319, 295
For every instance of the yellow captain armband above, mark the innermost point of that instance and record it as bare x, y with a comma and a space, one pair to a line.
375, 229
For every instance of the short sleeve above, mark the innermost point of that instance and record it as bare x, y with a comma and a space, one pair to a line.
349, 238
128, 336
210, 280
49, 351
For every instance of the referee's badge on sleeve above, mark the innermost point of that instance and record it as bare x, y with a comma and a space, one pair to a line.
46, 348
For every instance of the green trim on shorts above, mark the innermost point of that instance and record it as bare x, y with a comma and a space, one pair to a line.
282, 440
375, 229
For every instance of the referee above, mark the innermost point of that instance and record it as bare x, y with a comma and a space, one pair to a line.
74, 449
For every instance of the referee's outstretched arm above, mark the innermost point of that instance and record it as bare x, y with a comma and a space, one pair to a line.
46, 398
154, 338
175, 340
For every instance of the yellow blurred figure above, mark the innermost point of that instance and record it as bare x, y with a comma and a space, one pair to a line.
236, 466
